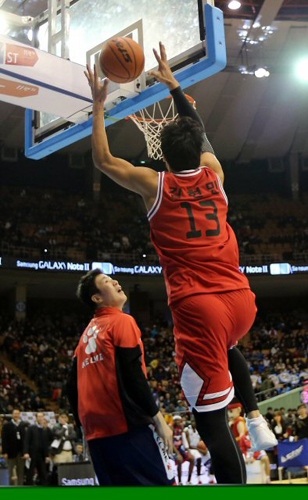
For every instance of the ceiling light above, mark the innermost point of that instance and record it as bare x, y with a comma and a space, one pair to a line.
3, 26
234, 5
302, 70
30, 34
262, 73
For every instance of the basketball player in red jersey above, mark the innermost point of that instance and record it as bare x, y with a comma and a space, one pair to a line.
210, 299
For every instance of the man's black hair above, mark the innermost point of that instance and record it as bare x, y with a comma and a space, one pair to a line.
181, 143
86, 288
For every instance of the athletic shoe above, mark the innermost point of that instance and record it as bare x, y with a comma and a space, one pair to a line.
262, 437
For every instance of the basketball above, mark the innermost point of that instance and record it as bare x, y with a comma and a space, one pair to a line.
122, 60
202, 447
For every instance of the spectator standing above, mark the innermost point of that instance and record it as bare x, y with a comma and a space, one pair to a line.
48, 431
13, 442
63, 443
301, 425
36, 449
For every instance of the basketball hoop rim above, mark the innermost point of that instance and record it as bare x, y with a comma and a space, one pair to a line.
159, 120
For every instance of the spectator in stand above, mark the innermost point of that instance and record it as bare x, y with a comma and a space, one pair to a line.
13, 443
48, 431
266, 385
37, 404
301, 424
64, 436
279, 427
269, 414
36, 449
79, 455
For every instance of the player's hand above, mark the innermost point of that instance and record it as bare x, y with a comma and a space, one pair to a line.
164, 73
99, 89
164, 432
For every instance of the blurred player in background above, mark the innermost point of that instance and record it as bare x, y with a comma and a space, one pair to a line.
182, 454
210, 299
192, 442
240, 431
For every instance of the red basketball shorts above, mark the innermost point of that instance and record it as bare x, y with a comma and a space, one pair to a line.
205, 327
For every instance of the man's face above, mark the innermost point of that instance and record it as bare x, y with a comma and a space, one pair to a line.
16, 415
40, 419
302, 411
79, 449
63, 419
110, 292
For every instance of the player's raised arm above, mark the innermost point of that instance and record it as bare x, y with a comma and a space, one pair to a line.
184, 108
141, 180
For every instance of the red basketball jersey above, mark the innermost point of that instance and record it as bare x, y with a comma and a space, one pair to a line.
196, 246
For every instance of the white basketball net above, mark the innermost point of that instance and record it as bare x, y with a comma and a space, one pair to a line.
151, 124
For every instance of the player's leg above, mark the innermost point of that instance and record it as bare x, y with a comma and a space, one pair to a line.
201, 326
179, 461
100, 463
227, 460
135, 458
267, 466
191, 462
241, 304
242, 382
198, 467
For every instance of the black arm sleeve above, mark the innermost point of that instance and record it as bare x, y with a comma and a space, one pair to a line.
72, 391
135, 381
184, 108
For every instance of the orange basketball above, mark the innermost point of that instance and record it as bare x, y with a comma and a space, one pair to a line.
122, 60
202, 447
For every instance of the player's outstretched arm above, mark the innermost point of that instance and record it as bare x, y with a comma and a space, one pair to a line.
141, 180
164, 75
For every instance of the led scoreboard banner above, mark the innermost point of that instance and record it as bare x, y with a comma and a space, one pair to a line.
274, 269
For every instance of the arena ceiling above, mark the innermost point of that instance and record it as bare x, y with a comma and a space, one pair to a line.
246, 117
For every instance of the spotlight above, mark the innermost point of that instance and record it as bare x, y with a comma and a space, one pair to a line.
234, 5
3, 26
302, 70
262, 73
30, 35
